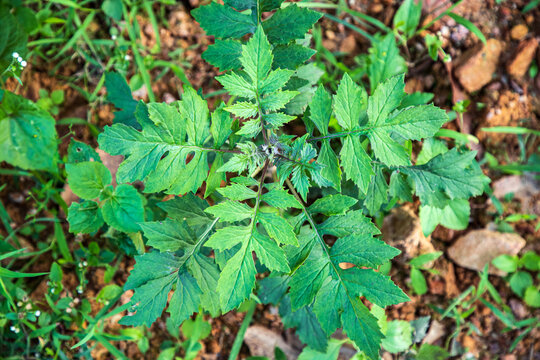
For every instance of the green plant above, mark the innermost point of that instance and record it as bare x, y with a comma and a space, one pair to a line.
519, 277
198, 249
418, 281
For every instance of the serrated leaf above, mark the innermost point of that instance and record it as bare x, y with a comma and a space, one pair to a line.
332, 205
257, 56
189, 208
278, 228
349, 103
377, 193
186, 298
88, 179
376, 287
269, 253
330, 162
243, 109
277, 100
362, 250
280, 29
119, 93
307, 326
320, 109
215, 178
223, 22
280, 199
224, 54
237, 279
152, 278
237, 192
355, 162
456, 174
354, 222
168, 235
230, 211
384, 61
291, 56
228, 237
236, 85
275, 80
123, 210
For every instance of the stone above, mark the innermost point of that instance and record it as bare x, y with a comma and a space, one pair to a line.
522, 59
402, 229
519, 32
475, 68
262, 341
479, 247
435, 332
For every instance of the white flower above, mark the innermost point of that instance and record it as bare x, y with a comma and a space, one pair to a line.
37, 313
23, 63
68, 310
15, 54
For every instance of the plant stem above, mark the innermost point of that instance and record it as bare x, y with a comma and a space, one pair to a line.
240, 336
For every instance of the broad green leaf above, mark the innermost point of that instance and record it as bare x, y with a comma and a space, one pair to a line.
88, 179
506, 263
308, 279
223, 22
244, 110
163, 133
455, 215
275, 80
84, 217
81, 152
123, 210
28, 137
277, 100
281, 30
228, 237
331, 353
418, 281
195, 110
398, 336
119, 93
520, 281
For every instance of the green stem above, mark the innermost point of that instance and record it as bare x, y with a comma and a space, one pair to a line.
235, 351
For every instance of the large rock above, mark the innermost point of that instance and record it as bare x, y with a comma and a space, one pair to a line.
475, 67
522, 59
479, 247
262, 342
